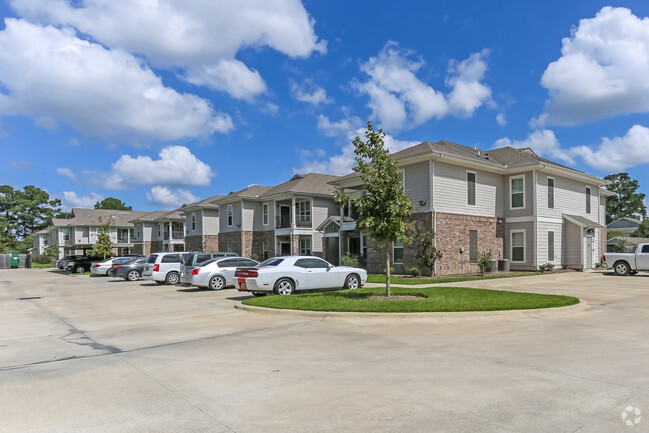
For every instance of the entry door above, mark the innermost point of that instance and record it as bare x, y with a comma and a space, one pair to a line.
589, 253
285, 249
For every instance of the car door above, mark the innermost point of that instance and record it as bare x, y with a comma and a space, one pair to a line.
227, 267
642, 258
319, 274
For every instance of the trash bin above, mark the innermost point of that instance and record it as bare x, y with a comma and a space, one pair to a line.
15, 259
503, 265
494, 265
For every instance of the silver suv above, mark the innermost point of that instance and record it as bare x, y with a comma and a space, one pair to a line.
163, 268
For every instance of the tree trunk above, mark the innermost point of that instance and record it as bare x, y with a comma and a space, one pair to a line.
387, 270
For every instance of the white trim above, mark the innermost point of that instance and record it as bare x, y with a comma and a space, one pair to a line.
554, 246
511, 178
511, 245
265, 215
475, 188
525, 219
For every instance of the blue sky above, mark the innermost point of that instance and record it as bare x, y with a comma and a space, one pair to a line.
168, 103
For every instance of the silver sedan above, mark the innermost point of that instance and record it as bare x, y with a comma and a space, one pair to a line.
215, 273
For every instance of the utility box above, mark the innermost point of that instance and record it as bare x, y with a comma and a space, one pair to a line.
14, 259
503, 265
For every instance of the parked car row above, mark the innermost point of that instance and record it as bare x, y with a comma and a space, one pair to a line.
217, 270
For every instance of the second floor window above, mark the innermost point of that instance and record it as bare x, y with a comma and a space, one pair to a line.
193, 221
517, 187
470, 188
587, 199
230, 216
550, 193
66, 233
303, 213
264, 212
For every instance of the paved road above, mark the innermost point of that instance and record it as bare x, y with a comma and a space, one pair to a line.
82, 354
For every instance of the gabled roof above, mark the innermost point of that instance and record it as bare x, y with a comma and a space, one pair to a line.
91, 217
582, 221
207, 203
253, 191
624, 223
159, 215
310, 183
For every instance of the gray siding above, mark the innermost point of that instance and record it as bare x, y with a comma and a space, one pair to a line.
250, 212
529, 196
210, 221
572, 245
542, 244
569, 198
417, 185
530, 246
236, 218
450, 191
323, 209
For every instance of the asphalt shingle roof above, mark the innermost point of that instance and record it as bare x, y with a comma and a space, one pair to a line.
311, 183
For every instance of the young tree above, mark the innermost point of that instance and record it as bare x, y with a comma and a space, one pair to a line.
642, 231
383, 208
104, 247
112, 203
626, 202
427, 254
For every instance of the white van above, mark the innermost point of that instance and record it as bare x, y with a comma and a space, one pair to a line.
163, 268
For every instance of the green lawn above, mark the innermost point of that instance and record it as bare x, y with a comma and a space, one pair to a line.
380, 278
42, 265
434, 299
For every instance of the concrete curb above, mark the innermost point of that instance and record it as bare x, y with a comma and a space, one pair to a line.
539, 312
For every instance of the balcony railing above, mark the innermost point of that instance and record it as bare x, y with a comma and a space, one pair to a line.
284, 221
175, 235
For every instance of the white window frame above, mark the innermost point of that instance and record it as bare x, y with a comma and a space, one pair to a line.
159, 230
64, 231
554, 245
511, 192
554, 184
193, 220
394, 256
511, 245
475, 188
229, 216
265, 214
303, 251
589, 207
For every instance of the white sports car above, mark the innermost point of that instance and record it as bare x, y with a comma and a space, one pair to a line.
286, 275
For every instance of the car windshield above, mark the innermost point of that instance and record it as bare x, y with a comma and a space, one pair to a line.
270, 262
152, 258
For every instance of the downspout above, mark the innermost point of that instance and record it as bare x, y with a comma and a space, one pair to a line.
431, 173
243, 235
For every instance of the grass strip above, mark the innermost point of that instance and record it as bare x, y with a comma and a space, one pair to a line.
380, 278
433, 299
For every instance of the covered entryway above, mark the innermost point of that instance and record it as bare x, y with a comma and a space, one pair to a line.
580, 246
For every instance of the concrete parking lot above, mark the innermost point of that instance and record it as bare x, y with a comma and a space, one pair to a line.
88, 354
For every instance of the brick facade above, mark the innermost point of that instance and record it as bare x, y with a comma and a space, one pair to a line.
258, 240
157, 247
452, 233
202, 243
143, 248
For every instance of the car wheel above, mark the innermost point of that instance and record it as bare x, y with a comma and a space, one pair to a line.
352, 282
78, 269
216, 282
621, 268
133, 275
172, 278
284, 287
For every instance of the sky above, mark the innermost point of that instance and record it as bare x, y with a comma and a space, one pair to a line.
165, 102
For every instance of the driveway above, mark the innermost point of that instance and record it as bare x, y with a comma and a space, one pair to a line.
89, 354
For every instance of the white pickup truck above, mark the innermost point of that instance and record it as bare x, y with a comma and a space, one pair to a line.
629, 263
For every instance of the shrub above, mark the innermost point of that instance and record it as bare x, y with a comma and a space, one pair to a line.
564, 266
547, 267
348, 260
484, 262
414, 271
42, 259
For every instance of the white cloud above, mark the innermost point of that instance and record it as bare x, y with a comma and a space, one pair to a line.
344, 162
310, 93
70, 200
342, 127
20, 165
100, 92
177, 166
542, 142
618, 153
501, 119
399, 99
602, 71
168, 199
180, 34
65, 171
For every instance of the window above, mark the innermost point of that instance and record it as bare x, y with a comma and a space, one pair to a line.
517, 188
264, 213
470, 188
159, 229
587, 199
46, 240
230, 216
131, 234
473, 246
550, 245
303, 213
305, 246
137, 232
66, 233
171, 258
311, 264
193, 221
264, 250
645, 249
397, 252
518, 245
550, 193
